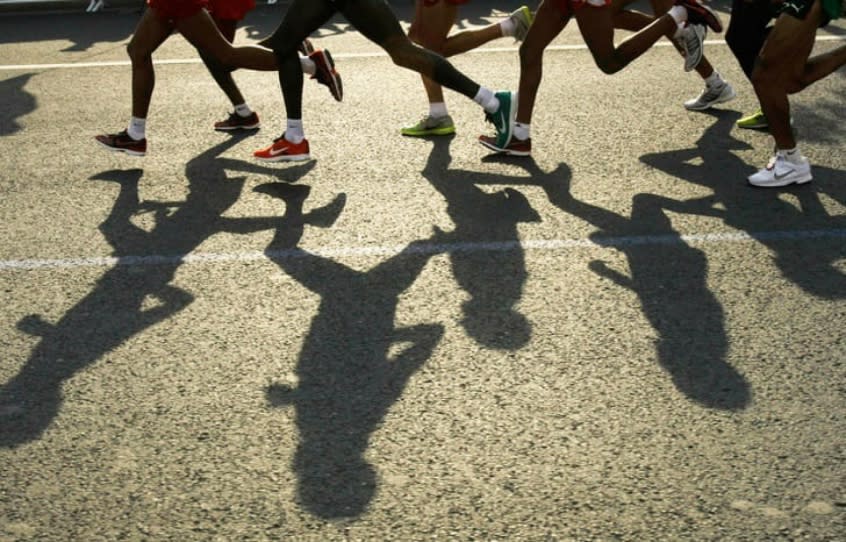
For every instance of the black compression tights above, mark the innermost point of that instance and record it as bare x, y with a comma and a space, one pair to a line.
375, 20
748, 30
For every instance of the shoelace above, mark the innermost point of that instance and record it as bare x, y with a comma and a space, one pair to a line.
711, 93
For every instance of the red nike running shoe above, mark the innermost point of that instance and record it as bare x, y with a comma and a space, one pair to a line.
121, 142
699, 13
283, 150
326, 73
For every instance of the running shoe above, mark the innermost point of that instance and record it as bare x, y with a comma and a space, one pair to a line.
698, 13
522, 18
306, 47
237, 122
326, 73
755, 121
516, 147
430, 126
782, 172
121, 142
503, 117
693, 39
711, 96
283, 150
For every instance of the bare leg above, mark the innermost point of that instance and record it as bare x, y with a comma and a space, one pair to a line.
548, 23
222, 74
150, 33
821, 66
200, 30
429, 29
597, 27
780, 67
375, 20
660, 7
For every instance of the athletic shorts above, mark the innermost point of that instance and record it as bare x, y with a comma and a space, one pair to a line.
832, 9
569, 7
453, 2
230, 10
167, 10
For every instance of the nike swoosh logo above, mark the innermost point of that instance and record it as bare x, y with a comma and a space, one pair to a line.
277, 152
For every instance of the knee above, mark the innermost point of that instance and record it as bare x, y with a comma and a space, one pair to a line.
402, 53
225, 57
765, 75
528, 58
414, 34
136, 52
426, 38
608, 66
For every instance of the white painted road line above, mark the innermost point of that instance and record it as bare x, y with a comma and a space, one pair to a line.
336, 56
551, 245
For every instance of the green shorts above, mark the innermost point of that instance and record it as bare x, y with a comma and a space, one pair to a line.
832, 9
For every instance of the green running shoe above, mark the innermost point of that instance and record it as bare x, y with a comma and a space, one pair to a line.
755, 121
503, 118
430, 126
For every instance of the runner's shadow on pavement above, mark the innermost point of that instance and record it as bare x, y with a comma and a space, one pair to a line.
132, 295
354, 364
669, 278
16, 101
792, 222
488, 261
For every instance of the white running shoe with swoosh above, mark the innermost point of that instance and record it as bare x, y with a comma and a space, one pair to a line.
782, 172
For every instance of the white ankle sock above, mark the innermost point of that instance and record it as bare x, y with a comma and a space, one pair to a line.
678, 13
243, 110
522, 131
508, 27
437, 110
294, 131
791, 155
137, 128
714, 80
308, 65
486, 98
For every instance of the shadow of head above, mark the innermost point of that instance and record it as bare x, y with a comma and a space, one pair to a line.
502, 328
338, 486
16, 101
515, 207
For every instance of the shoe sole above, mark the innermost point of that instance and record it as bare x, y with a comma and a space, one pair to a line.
306, 47
427, 133
753, 126
507, 152
285, 158
799, 181
233, 128
712, 104
336, 87
712, 20
116, 149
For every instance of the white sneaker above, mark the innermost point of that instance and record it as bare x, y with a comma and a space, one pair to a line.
692, 40
782, 172
522, 18
711, 96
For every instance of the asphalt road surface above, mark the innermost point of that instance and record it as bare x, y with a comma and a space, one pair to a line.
408, 339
